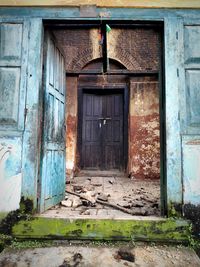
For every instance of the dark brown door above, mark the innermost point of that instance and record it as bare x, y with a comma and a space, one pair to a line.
102, 131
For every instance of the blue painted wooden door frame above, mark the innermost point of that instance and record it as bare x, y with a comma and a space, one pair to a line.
173, 24
53, 146
163, 182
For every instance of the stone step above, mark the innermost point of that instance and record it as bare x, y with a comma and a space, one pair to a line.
137, 229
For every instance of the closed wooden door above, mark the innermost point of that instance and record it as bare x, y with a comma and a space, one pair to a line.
102, 131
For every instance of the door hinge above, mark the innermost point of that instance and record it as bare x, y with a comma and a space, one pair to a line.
29, 33
177, 72
176, 35
179, 116
25, 113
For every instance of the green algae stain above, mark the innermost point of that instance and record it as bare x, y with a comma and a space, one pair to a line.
149, 230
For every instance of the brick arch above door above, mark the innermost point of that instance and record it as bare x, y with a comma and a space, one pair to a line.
97, 63
85, 58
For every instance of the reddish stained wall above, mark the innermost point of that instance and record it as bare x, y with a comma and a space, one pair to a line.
71, 123
144, 143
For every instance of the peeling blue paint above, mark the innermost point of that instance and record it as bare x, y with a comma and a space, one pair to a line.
173, 139
182, 167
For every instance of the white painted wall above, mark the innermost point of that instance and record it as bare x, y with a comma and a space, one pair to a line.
10, 173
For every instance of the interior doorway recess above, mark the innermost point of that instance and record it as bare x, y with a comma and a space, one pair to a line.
114, 115
102, 130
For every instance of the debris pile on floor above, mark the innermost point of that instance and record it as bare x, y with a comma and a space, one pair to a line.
133, 197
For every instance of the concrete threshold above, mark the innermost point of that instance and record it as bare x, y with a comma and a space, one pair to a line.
136, 229
97, 173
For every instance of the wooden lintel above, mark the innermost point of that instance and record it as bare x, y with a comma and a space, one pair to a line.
113, 72
73, 23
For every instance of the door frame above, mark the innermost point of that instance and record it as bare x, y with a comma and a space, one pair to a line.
162, 99
123, 89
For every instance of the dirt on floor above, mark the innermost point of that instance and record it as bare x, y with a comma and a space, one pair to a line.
102, 256
109, 197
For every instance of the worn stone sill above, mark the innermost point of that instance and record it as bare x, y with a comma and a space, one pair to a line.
93, 217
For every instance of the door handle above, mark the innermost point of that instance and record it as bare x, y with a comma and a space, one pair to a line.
105, 120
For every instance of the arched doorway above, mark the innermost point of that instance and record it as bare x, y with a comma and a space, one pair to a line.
103, 117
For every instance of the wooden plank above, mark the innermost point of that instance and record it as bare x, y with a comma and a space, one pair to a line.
23, 80
80, 24
105, 3
173, 26
112, 72
31, 138
58, 13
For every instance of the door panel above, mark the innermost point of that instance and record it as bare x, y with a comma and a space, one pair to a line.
53, 158
113, 131
13, 64
102, 131
191, 112
91, 136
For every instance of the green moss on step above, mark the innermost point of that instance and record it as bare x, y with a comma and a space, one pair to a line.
3, 215
4, 241
166, 230
11, 218
174, 210
23, 244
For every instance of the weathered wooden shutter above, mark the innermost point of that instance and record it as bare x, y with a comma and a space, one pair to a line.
53, 160
13, 64
190, 112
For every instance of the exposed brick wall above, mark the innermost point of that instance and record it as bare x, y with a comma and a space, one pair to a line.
135, 49
80, 46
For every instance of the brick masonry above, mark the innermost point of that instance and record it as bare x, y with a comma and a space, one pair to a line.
133, 49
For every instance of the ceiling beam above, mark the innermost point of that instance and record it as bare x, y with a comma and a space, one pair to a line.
113, 72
